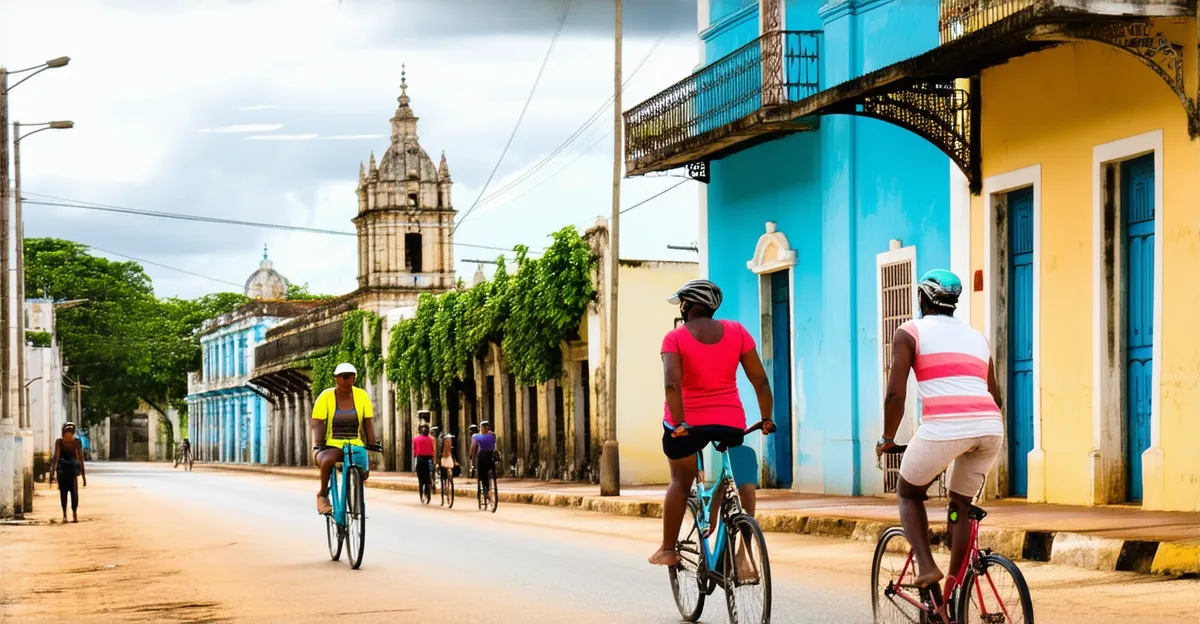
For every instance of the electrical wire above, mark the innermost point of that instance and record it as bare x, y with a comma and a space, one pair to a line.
588, 123
656, 195
151, 262
72, 203
528, 100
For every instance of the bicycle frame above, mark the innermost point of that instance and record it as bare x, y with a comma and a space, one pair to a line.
724, 480
352, 457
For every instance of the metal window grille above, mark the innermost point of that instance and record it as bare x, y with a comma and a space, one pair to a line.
896, 291
963, 17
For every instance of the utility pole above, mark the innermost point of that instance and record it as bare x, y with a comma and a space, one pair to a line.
8, 428
610, 458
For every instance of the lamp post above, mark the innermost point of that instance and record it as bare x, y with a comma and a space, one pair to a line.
19, 222
11, 451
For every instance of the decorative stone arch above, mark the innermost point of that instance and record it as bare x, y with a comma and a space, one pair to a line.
773, 253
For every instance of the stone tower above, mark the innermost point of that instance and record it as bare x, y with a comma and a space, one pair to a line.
405, 216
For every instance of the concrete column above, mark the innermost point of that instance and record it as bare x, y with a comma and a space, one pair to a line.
547, 449
303, 431
288, 431
237, 410
17, 460
270, 458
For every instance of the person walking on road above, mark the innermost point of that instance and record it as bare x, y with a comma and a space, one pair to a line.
67, 464
341, 415
423, 456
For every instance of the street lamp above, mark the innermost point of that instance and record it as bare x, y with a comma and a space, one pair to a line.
10, 444
23, 413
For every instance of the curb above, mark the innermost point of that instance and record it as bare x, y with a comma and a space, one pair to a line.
1072, 549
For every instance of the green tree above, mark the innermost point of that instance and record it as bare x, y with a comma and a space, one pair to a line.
123, 342
300, 292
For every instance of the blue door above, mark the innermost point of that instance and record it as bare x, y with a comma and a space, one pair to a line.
1137, 214
781, 382
1020, 339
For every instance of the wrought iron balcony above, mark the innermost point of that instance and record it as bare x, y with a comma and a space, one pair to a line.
716, 110
958, 18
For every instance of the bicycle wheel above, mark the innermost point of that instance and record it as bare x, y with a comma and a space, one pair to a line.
892, 572
356, 518
687, 578
747, 572
494, 492
994, 590
442, 486
450, 493
333, 537
480, 494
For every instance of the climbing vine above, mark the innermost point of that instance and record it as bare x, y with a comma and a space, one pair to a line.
366, 355
528, 313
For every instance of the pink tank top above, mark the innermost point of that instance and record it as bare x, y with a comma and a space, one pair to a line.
710, 394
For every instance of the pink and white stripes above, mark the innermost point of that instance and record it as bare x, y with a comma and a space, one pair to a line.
952, 370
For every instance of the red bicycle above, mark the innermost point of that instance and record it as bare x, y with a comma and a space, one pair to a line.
988, 588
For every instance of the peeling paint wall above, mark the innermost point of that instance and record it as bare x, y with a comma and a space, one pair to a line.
1053, 108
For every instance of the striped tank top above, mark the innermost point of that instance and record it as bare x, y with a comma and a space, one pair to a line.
951, 367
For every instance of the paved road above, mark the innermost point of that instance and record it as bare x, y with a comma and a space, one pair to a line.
161, 545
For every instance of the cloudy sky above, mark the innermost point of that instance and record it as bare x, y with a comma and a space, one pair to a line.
261, 110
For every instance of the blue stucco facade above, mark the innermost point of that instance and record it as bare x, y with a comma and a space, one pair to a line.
227, 417
839, 194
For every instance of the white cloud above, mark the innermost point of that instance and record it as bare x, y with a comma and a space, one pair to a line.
352, 137
136, 142
238, 128
282, 137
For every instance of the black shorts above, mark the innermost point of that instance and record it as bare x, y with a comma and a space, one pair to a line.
698, 438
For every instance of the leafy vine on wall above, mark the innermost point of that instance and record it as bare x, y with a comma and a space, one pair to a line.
528, 313
366, 355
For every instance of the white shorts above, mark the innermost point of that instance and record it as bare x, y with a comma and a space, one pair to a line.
448, 462
969, 460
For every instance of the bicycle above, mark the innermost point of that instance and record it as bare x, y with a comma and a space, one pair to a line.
486, 490
704, 568
185, 458
972, 584
446, 477
347, 523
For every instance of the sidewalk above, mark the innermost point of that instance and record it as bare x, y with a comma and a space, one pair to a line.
1123, 538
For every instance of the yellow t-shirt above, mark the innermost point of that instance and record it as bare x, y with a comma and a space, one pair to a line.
326, 405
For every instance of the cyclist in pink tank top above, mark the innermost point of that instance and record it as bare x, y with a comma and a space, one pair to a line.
700, 363
961, 425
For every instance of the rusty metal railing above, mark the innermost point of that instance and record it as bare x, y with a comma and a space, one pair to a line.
961, 17
777, 68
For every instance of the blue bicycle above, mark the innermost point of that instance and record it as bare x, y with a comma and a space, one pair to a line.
348, 521
737, 561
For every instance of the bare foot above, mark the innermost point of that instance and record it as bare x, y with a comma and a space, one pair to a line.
747, 572
324, 507
928, 578
664, 557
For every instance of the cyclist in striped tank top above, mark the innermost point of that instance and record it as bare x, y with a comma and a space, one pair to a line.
961, 426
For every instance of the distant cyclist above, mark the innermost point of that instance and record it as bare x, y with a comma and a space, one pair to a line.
340, 416
960, 417
446, 461
423, 455
436, 433
185, 451
700, 363
483, 451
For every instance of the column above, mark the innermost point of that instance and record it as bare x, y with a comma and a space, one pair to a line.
303, 432
237, 409
288, 431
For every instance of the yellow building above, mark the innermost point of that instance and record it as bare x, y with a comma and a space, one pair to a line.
1084, 244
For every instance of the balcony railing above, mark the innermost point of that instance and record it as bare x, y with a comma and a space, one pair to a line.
962, 17
777, 68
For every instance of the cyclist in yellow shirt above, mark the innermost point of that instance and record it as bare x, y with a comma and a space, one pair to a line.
340, 417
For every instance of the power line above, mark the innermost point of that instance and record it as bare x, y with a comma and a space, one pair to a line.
529, 99
589, 122
72, 203
656, 195
151, 262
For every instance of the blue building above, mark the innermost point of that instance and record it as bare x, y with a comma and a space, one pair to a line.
227, 415
825, 197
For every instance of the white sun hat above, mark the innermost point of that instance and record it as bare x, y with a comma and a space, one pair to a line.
345, 367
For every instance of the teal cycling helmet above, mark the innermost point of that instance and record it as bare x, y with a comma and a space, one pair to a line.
941, 287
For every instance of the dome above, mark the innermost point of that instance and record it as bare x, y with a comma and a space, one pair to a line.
266, 282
